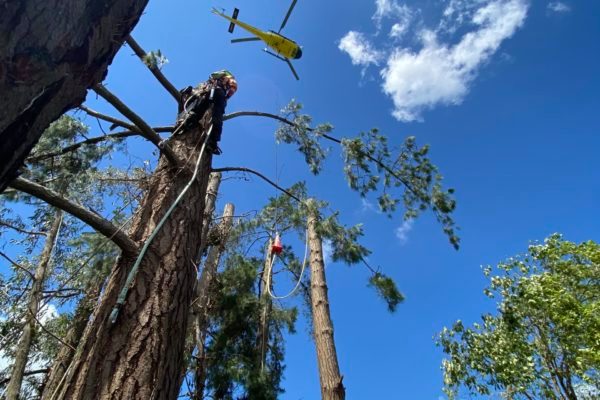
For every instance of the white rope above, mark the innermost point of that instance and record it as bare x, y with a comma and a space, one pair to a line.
270, 272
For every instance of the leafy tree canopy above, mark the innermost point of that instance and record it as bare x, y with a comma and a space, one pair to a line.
544, 343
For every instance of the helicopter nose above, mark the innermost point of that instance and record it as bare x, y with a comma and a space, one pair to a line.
298, 53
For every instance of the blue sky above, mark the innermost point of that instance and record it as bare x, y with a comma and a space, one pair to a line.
506, 92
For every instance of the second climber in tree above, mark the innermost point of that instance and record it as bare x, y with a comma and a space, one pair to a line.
219, 87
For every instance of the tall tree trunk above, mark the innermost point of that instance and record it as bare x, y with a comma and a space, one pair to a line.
332, 387
140, 355
45, 75
214, 181
263, 330
80, 319
205, 292
35, 296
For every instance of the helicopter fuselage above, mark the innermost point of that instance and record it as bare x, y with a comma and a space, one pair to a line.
283, 46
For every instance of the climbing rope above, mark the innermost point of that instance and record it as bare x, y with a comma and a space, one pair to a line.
123, 294
270, 273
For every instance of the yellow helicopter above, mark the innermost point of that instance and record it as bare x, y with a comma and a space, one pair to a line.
285, 49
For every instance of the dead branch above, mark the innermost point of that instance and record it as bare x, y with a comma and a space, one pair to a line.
145, 129
100, 224
154, 69
16, 228
19, 266
108, 118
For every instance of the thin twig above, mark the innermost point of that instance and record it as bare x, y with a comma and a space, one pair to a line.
17, 265
16, 228
108, 118
48, 332
153, 68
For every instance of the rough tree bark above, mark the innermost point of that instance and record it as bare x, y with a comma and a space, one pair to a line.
45, 75
140, 355
332, 387
205, 291
35, 296
71, 340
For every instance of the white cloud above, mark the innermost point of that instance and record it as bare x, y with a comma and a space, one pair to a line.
437, 73
391, 9
558, 7
47, 313
440, 73
359, 49
403, 230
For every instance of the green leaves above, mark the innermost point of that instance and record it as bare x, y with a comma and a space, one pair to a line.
406, 177
387, 290
303, 136
155, 59
546, 336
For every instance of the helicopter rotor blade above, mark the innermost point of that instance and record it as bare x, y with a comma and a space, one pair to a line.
292, 68
250, 39
287, 16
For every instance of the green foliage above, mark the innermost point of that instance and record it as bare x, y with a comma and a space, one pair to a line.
303, 136
545, 340
387, 290
155, 59
234, 358
371, 166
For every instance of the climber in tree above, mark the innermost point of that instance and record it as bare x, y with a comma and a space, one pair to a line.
219, 87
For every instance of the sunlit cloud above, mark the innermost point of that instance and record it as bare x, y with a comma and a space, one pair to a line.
439, 71
403, 230
558, 7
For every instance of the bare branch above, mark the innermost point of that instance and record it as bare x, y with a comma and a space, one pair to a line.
94, 140
154, 69
16, 228
244, 169
26, 373
48, 332
100, 224
108, 118
145, 129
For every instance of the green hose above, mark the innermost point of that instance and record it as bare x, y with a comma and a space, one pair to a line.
123, 293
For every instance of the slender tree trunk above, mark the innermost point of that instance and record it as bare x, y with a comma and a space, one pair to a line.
205, 294
140, 355
214, 181
332, 387
35, 296
45, 75
263, 330
80, 319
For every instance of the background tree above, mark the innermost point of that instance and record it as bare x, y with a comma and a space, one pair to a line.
545, 341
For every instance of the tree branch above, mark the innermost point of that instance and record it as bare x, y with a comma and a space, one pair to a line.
251, 171
144, 128
19, 266
94, 140
108, 118
328, 137
154, 69
16, 228
26, 373
100, 224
